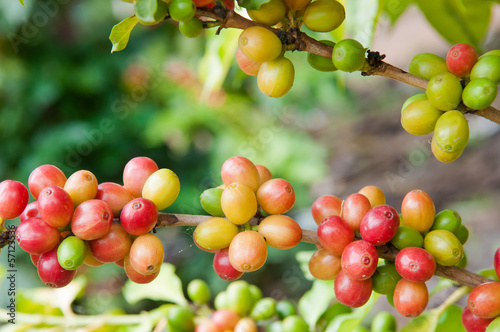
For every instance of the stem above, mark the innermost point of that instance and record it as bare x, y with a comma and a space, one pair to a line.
300, 41
454, 297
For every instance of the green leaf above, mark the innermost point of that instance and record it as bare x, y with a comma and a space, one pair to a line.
166, 287
315, 301
22, 2
348, 322
120, 33
394, 8
252, 4
303, 258
362, 20
458, 21
451, 320
145, 10
425, 322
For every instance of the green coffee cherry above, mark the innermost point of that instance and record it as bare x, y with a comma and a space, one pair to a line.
444, 91
444, 247
407, 237
427, 65
198, 291
451, 133
462, 234
479, 93
385, 278
71, 253
294, 323
180, 319
285, 308
210, 201
420, 117
321, 63
348, 55
419, 96
383, 322
487, 67
239, 298
191, 28
265, 308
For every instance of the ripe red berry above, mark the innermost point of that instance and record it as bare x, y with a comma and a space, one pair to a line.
484, 300
473, 323
139, 216
460, 59
248, 251
223, 267
415, 264
45, 176
55, 206
146, 254
410, 298
359, 260
496, 262
92, 219
225, 319
241, 170
379, 225
354, 208
50, 271
35, 236
276, 196
324, 265
115, 195
135, 276
13, 199
350, 292
113, 246
326, 206
136, 172
281, 232
334, 234
31, 211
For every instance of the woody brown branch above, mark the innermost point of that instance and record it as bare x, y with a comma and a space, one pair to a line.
303, 42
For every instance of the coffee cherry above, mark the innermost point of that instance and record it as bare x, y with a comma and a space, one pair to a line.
451, 132
334, 234
210, 200
285, 308
115, 195
324, 265
269, 13
487, 67
379, 225
260, 44
51, 273
241, 170
354, 208
92, 219
136, 172
420, 117
276, 196
13, 199
225, 319
407, 236
239, 297
71, 253
294, 323
223, 267
418, 210
479, 93
45, 176
415, 264
180, 319
255, 292
81, 186
264, 174
460, 59
198, 291
444, 91
385, 278
113, 246
151, 19
496, 262
263, 309
494, 326
326, 206
359, 260
247, 65
296, 4
444, 246
321, 63
146, 254
246, 324
419, 96
484, 300
248, 251
448, 220
427, 65
276, 77
191, 28
383, 322
35, 236
31, 211
443, 156
473, 323
139, 216
324, 15
280, 232
181, 10
135, 276
348, 55
34, 258
55, 206
374, 194
215, 233
162, 187
462, 234
410, 298
90, 260
238, 203
350, 292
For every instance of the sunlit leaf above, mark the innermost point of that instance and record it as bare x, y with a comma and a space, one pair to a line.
252, 4
315, 301
394, 8
348, 322
458, 21
22, 2
425, 322
451, 320
146, 9
303, 258
120, 33
362, 17
166, 287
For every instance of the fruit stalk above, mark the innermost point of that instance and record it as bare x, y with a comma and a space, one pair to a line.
296, 40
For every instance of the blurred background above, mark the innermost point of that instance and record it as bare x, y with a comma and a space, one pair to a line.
66, 100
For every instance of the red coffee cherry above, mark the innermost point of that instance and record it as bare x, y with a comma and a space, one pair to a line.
326, 206
223, 267
415, 264
410, 298
473, 323
35, 236
13, 199
354, 208
55, 206
335, 234
139, 216
324, 265
484, 300
50, 271
350, 292
359, 260
460, 59
379, 225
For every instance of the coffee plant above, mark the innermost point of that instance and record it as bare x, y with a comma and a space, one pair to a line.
363, 248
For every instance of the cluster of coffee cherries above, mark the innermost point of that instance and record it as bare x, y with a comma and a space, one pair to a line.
261, 53
350, 231
462, 79
248, 191
482, 312
70, 223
